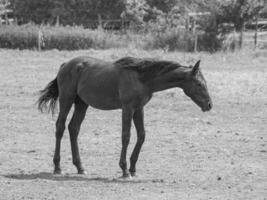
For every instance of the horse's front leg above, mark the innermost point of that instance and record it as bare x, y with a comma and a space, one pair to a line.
138, 119
127, 115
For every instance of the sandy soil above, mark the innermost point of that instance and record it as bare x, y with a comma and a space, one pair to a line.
187, 154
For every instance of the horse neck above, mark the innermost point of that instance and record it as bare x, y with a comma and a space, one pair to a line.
169, 80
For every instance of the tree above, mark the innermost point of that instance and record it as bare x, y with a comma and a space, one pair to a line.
69, 11
136, 11
163, 5
239, 11
31, 10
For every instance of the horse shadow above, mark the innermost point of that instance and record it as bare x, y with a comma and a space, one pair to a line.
71, 177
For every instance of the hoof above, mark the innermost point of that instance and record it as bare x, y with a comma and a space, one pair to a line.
133, 173
126, 176
82, 171
57, 171
125, 179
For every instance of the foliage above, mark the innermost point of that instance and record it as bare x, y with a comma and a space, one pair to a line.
80, 12
68, 38
183, 40
239, 11
168, 31
70, 12
163, 5
135, 11
24, 37
164, 22
172, 39
73, 38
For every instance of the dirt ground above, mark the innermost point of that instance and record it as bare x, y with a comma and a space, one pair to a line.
187, 154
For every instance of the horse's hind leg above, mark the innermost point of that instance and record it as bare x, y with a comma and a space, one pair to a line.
64, 108
74, 128
127, 114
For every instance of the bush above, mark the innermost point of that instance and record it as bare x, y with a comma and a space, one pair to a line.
172, 32
62, 38
171, 40
231, 41
183, 40
209, 41
24, 37
74, 38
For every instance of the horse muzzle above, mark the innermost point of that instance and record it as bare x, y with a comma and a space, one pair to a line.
208, 107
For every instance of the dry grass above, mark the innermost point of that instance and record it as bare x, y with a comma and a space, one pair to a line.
187, 154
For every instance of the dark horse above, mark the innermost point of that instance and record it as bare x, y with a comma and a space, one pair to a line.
126, 84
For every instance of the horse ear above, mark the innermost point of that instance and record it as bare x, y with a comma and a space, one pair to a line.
195, 68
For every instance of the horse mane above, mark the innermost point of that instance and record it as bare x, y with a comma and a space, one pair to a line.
147, 68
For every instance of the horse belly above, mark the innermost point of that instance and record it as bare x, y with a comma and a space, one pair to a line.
100, 91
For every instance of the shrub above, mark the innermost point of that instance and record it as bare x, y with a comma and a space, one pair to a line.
23, 37
169, 32
156, 36
230, 42
68, 38
171, 40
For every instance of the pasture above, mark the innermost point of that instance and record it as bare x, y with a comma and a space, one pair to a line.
187, 154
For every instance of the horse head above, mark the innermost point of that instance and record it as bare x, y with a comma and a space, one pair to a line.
195, 87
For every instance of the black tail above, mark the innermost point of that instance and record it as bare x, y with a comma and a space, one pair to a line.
49, 95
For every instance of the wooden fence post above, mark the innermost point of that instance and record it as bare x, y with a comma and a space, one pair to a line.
186, 38
57, 21
256, 33
100, 22
241, 35
195, 42
195, 35
40, 40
